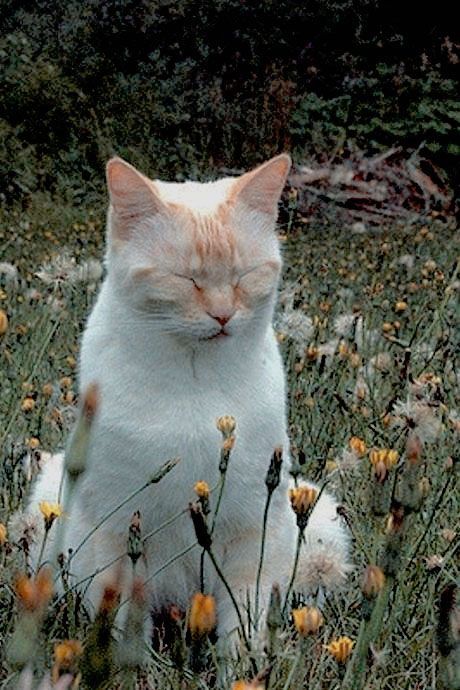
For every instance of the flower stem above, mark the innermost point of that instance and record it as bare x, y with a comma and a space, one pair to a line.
235, 604
42, 549
294, 569
261, 558
164, 470
356, 670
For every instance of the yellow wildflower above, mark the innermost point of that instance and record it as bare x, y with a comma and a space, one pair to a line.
340, 648
3, 322
65, 382
424, 487
355, 360
400, 306
3, 534
357, 445
201, 489
312, 352
47, 390
307, 620
244, 685
50, 512
343, 349
385, 456
28, 404
202, 618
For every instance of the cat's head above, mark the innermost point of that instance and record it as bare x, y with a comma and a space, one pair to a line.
199, 260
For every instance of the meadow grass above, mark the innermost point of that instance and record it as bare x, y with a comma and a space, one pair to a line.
368, 327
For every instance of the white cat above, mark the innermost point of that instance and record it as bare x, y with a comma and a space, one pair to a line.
181, 333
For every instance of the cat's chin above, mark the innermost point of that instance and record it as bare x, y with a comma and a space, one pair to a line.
220, 335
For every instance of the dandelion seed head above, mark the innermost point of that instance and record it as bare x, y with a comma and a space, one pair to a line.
9, 272
24, 526
407, 261
417, 416
295, 325
323, 566
348, 460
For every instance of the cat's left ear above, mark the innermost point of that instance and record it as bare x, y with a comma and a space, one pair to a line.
260, 189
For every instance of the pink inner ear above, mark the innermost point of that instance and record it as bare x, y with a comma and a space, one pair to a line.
261, 188
131, 193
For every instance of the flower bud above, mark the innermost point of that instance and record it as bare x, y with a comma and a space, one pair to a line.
373, 581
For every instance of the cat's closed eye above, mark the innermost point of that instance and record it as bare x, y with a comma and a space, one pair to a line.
190, 279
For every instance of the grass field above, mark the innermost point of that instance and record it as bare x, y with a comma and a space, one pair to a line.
368, 325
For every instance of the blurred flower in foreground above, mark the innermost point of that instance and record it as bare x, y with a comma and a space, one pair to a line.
202, 617
27, 681
34, 593
66, 656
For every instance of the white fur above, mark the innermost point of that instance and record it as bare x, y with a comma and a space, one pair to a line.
160, 397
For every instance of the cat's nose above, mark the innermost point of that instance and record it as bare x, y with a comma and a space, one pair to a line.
222, 319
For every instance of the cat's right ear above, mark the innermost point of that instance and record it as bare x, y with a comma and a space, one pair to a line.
132, 196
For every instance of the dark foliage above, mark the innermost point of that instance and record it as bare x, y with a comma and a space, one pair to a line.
185, 87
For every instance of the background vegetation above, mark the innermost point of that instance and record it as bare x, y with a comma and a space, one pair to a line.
184, 87
368, 315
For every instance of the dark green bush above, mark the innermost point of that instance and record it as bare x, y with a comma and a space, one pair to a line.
182, 87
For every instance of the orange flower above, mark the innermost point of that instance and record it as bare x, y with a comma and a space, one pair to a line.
66, 655
201, 489
302, 498
34, 593
307, 620
3, 534
246, 685
28, 404
312, 352
400, 306
340, 648
66, 652
384, 456
202, 618
357, 445
3, 322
